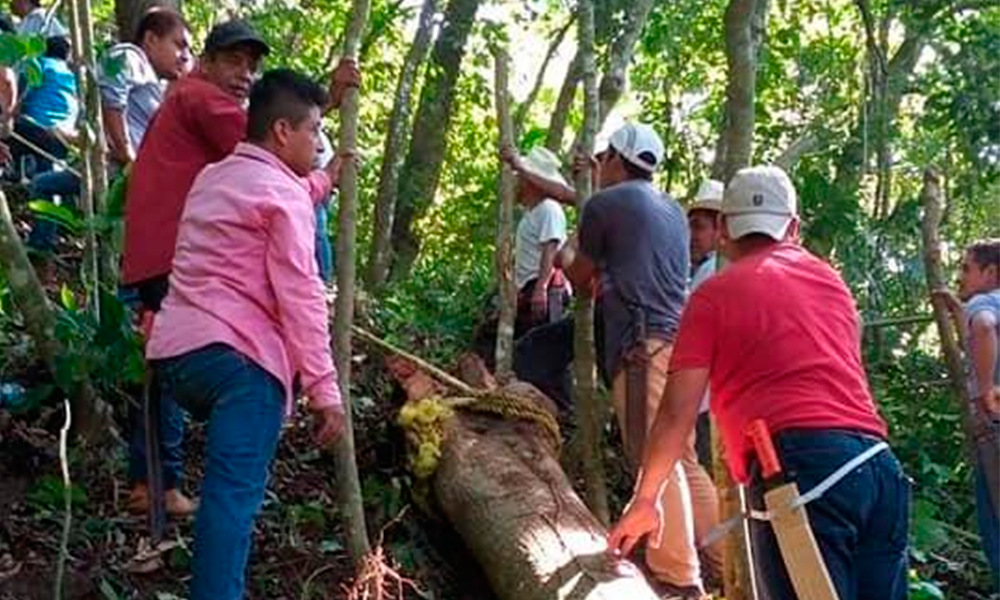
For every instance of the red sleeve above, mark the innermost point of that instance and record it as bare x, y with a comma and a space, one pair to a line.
696, 340
221, 121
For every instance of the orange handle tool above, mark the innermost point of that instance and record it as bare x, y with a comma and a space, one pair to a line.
764, 447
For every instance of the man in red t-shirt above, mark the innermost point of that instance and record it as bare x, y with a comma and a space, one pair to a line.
776, 334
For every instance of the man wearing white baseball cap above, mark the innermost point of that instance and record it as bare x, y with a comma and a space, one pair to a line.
777, 335
540, 233
703, 216
633, 239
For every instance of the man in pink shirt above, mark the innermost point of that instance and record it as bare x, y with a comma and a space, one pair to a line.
777, 335
245, 314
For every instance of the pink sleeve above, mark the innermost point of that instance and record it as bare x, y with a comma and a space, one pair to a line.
319, 185
304, 319
696, 339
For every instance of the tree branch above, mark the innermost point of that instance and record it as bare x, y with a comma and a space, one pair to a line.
522, 110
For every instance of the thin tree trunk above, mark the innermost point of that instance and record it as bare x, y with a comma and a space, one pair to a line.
93, 143
129, 12
976, 445
588, 403
349, 487
505, 225
392, 153
564, 103
418, 180
803, 145
521, 115
744, 24
741, 59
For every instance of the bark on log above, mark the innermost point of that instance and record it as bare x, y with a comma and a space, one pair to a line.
503, 491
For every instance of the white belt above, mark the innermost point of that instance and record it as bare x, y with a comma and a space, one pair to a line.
813, 494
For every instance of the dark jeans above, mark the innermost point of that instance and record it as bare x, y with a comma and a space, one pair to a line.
543, 358
59, 187
244, 406
151, 293
860, 524
26, 162
986, 515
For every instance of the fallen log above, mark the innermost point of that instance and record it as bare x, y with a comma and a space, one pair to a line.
498, 482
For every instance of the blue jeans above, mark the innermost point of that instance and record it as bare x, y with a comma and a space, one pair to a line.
860, 524
989, 525
60, 187
244, 406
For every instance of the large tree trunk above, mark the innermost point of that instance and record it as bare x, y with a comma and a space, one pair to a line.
348, 484
502, 489
505, 225
129, 12
418, 181
589, 409
392, 153
741, 58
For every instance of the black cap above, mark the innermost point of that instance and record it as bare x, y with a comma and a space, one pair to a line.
229, 34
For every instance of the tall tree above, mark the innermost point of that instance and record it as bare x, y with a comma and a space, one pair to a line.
421, 171
349, 486
505, 223
392, 152
591, 415
744, 24
128, 13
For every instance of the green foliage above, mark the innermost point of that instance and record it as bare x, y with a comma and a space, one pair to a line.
49, 494
104, 346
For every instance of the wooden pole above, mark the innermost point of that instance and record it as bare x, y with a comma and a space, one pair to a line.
505, 224
349, 486
591, 417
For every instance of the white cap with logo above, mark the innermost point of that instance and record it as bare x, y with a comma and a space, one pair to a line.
543, 163
639, 144
760, 200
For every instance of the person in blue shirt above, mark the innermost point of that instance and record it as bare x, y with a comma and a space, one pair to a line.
46, 114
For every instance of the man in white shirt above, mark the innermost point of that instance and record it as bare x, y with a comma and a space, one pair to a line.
540, 233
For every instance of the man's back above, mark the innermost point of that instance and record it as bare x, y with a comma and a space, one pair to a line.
198, 124
778, 329
638, 237
53, 104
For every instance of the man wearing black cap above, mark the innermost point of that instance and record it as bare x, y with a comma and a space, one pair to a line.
200, 122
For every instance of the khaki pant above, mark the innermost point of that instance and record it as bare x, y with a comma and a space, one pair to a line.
689, 504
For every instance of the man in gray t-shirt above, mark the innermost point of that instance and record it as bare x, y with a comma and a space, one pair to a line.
637, 237
633, 240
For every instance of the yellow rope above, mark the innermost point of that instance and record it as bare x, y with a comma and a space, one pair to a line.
425, 423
